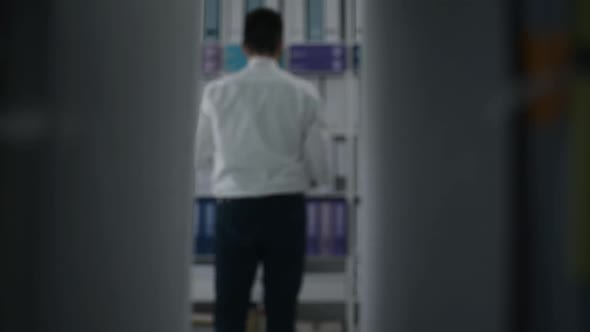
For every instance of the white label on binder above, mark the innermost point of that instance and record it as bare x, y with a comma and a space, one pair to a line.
333, 21
236, 21
294, 21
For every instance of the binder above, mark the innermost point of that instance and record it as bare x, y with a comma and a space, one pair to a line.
333, 21
315, 20
273, 4
202, 240
211, 19
340, 223
253, 4
326, 59
234, 20
197, 230
313, 244
211, 60
294, 14
359, 20
337, 103
340, 163
326, 233
210, 227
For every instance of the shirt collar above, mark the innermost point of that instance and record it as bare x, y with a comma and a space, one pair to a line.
261, 61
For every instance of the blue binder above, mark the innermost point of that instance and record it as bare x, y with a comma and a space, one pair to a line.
195, 227
326, 229
201, 234
340, 224
313, 238
210, 216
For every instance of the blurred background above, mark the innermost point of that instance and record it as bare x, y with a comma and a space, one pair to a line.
460, 157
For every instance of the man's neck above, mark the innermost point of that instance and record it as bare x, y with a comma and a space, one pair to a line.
263, 57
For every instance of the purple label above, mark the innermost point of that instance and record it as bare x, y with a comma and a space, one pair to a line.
310, 59
211, 60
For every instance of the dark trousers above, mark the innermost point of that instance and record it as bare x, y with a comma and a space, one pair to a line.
268, 231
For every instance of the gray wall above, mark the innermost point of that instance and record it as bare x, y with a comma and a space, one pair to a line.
434, 182
96, 165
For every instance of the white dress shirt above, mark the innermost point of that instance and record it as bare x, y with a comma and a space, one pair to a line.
263, 131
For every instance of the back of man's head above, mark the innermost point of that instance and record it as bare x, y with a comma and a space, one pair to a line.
263, 32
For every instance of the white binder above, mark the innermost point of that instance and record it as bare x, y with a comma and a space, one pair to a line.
337, 99
333, 21
273, 4
233, 20
294, 16
359, 20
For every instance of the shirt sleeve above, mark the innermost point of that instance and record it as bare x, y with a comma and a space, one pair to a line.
204, 144
316, 143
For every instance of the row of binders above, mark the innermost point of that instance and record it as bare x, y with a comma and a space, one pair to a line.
327, 227
305, 20
314, 35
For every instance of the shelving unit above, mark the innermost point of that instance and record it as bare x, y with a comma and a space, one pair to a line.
318, 287
328, 280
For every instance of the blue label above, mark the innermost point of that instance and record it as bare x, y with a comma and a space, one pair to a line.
234, 58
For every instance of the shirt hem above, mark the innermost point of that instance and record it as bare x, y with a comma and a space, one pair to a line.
256, 194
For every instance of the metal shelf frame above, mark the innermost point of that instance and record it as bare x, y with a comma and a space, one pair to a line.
332, 279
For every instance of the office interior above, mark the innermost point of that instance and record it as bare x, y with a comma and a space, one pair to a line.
460, 157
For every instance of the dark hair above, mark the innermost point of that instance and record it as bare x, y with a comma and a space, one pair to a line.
263, 31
